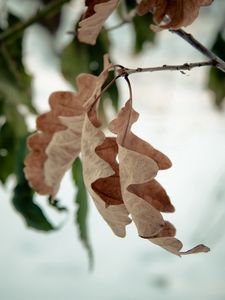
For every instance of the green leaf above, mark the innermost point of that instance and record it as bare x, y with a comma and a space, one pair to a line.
23, 197
77, 58
142, 32
15, 83
130, 4
13, 127
216, 81
82, 207
15, 119
8, 147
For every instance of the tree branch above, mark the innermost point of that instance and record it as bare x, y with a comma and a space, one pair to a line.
218, 62
185, 67
48, 11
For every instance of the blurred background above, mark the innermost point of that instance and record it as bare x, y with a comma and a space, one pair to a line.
44, 246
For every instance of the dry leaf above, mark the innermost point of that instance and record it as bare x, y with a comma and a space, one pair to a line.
109, 188
90, 4
143, 196
158, 197
139, 163
118, 190
95, 17
166, 240
57, 143
174, 14
100, 169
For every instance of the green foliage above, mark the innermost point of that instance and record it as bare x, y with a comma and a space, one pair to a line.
23, 197
82, 207
142, 32
15, 83
15, 92
79, 58
8, 145
12, 127
216, 80
130, 4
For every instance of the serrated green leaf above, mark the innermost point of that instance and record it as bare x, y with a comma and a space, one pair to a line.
216, 81
23, 196
82, 207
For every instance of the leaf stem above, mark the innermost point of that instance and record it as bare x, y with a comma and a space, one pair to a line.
89, 106
48, 11
129, 86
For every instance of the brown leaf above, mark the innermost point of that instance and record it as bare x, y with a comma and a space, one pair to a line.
139, 163
100, 169
126, 138
117, 189
34, 163
179, 13
95, 17
90, 7
143, 196
109, 188
197, 249
153, 193
174, 245
57, 143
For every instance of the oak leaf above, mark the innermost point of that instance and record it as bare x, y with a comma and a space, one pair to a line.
118, 189
90, 4
139, 163
57, 143
100, 169
179, 13
143, 196
100, 172
97, 13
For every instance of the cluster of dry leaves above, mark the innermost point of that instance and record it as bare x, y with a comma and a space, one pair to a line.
119, 171
167, 14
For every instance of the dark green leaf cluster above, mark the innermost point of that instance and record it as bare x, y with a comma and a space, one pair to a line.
216, 81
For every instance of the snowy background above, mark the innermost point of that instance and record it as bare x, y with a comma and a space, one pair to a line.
177, 116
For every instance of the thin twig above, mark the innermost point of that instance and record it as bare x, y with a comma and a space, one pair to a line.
48, 11
185, 67
218, 62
